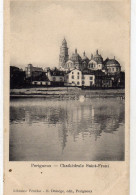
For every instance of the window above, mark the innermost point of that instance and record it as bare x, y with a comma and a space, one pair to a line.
54, 79
78, 83
91, 78
72, 76
77, 77
112, 69
83, 82
91, 65
72, 72
78, 73
91, 83
61, 79
83, 77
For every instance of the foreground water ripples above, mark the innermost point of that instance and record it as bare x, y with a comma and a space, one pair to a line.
42, 129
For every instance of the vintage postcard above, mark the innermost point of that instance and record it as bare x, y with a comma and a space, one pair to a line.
66, 93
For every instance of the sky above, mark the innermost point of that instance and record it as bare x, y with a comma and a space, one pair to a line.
38, 28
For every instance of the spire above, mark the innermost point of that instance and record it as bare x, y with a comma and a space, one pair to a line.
114, 57
64, 42
91, 56
75, 50
97, 51
84, 53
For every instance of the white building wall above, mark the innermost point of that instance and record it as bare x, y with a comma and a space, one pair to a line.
88, 80
75, 77
41, 83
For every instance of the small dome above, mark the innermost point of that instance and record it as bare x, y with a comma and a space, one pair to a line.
85, 58
97, 57
75, 56
92, 62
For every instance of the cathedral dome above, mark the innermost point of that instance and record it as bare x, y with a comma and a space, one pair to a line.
112, 62
98, 58
76, 57
85, 58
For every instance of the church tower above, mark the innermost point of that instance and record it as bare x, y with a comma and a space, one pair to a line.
63, 57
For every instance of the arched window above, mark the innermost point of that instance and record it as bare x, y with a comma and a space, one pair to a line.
91, 65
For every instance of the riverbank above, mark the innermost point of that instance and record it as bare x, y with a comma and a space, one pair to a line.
65, 92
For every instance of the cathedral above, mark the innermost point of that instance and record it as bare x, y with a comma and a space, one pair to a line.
96, 61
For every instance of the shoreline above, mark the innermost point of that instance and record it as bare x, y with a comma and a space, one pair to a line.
68, 93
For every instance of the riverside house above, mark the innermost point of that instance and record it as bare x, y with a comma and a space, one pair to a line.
40, 80
73, 78
56, 77
88, 78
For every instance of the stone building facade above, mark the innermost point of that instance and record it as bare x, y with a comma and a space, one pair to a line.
63, 57
30, 71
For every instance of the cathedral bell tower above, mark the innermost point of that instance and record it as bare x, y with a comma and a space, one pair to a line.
63, 57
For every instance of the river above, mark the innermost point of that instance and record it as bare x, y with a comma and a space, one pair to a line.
67, 130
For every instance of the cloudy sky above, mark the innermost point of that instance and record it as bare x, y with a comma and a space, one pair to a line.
38, 28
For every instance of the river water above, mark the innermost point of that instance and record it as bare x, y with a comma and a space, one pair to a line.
67, 130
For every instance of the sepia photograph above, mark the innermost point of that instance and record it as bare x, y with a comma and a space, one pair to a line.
67, 69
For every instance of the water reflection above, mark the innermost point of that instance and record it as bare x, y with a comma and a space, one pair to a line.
70, 125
